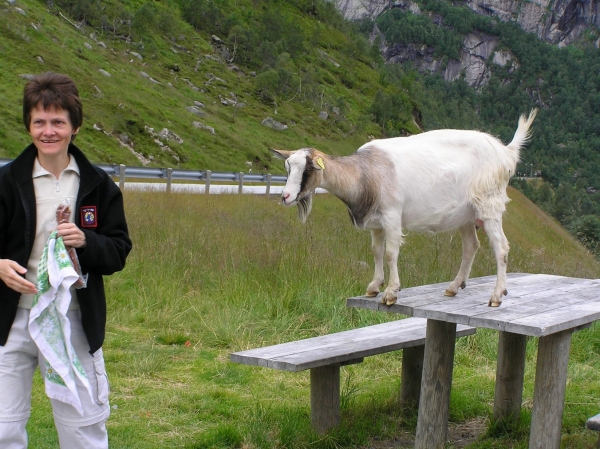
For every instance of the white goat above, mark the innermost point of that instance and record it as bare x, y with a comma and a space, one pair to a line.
431, 182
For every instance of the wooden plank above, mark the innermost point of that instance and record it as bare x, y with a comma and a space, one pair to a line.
477, 287
549, 390
532, 306
339, 353
337, 348
324, 341
352, 350
476, 312
569, 317
432, 423
412, 296
374, 303
415, 301
536, 296
415, 297
462, 309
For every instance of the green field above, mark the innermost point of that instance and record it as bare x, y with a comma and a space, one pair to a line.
210, 275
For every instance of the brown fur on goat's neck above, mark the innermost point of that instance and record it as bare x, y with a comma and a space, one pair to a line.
356, 180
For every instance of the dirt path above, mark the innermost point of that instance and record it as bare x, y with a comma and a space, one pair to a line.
460, 435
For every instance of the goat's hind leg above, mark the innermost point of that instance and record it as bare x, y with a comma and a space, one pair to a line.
470, 245
499, 242
377, 245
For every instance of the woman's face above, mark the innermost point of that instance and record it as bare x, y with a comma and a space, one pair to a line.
51, 131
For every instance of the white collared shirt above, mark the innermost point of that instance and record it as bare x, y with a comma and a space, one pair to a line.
49, 194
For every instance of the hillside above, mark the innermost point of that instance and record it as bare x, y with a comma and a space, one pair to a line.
148, 70
543, 242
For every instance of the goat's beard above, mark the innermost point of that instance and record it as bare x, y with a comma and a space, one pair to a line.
304, 207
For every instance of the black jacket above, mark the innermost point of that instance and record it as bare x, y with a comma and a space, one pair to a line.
107, 238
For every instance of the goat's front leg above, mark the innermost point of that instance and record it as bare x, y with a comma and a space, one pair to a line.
393, 240
470, 245
377, 247
499, 242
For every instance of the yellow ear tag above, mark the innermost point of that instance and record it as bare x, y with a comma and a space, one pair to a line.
320, 163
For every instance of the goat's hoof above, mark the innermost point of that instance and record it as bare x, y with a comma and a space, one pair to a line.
371, 294
494, 302
389, 298
390, 301
449, 293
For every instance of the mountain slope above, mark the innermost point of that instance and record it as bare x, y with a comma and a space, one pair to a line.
183, 82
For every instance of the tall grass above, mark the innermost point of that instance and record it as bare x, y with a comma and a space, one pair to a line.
210, 275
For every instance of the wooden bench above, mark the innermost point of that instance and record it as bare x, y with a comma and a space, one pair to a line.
593, 423
325, 354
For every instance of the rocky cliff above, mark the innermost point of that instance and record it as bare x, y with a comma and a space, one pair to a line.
559, 22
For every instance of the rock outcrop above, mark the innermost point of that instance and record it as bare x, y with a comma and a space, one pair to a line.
559, 22
476, 56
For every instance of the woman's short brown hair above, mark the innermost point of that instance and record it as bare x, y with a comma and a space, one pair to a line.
52, 90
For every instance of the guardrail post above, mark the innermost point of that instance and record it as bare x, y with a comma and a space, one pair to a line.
121, 176
169, 179
241, 186
207, 182
268, 188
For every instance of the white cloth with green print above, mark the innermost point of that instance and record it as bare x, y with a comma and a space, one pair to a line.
50, 328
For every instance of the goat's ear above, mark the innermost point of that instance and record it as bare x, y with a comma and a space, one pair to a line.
318, 163
280, 154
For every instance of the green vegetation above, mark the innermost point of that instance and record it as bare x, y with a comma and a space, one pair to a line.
232, 273
143, 65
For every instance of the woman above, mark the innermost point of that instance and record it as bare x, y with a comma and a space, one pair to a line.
48, 173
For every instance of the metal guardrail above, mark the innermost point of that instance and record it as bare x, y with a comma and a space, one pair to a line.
169, 174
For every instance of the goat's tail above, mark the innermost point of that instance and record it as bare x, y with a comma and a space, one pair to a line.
523, 133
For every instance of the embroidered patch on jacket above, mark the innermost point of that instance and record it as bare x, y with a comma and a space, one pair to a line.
89, 217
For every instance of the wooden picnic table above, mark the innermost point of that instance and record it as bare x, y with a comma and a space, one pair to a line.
548, 307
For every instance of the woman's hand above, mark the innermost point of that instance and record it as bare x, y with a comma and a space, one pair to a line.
11, 273
72, 236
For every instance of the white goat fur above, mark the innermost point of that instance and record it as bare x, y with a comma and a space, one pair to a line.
431, 182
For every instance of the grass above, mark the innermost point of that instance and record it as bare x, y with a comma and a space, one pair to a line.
126, 102
210, 275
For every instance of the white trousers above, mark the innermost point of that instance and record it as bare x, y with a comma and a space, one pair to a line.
19, 359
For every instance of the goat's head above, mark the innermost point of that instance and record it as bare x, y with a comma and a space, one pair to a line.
305, 173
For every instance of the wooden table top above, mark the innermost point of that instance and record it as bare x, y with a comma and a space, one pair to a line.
536, 305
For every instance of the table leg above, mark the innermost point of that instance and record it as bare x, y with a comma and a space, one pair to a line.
412, 372
432, 423
509, 377
325, 397
549, 390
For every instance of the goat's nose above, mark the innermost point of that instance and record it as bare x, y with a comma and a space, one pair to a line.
285, 196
